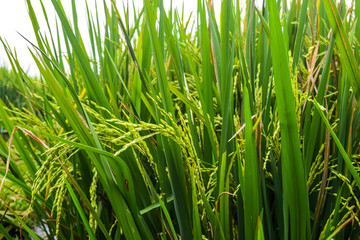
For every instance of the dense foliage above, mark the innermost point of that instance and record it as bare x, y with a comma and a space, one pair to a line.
9, 93
243, 127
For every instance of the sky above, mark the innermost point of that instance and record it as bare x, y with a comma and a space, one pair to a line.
14, 18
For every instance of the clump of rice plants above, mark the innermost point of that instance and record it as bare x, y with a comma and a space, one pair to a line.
9, 93
243, 127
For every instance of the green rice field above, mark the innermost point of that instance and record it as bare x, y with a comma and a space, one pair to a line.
243, 126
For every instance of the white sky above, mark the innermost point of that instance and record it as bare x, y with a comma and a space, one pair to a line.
14, 18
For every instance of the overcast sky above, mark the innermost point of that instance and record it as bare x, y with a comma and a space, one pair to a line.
14, 18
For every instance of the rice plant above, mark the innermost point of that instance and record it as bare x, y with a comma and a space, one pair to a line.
9, 92
242, 127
